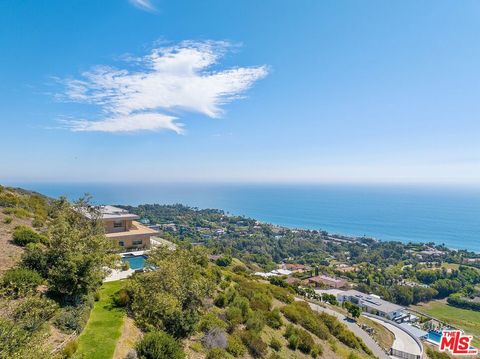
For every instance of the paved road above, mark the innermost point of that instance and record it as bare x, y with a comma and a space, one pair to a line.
403, 341
374, 347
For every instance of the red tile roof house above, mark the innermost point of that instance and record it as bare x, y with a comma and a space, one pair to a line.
292, 280
328, 281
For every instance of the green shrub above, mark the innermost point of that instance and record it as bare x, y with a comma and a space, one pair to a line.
196, 347
70, 349
300, 312
299, 339
221, 300
96, 296
273, 318
18, 282
282, 294
71, 318
306, 342
33, 312
235, 346
159, 345
17, 212
121, 298
24, 235
239, 268
217, 353
293, 342
458, 301
209, 321
9, 200
224, 261
261, 301
333, 345
234, 316
243, 304
317, 351
125, 266
354, 355
7, 220
432, 354
255, 322
275, 344
256, 346
38, 222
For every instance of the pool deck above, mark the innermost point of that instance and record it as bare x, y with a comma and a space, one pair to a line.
118, 274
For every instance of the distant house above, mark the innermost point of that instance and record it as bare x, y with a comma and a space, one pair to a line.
328, 281
294, 267
292, 280
345, 268
372, 304
122, 228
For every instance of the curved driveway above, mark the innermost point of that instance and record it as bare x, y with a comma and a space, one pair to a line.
403, 341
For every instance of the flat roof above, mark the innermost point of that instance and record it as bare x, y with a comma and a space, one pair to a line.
137, 229
319, 278
371, 301
112, 212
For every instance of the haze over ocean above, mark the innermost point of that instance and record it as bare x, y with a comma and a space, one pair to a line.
405, 213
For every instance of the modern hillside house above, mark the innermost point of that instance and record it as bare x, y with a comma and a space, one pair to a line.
123, 228
372, 304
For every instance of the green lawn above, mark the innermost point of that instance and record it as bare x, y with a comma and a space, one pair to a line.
104, 327
467, 320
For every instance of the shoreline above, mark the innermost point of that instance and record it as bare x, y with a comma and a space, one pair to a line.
399, 214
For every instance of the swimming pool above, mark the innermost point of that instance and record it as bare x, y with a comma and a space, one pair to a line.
135, 262
434, 336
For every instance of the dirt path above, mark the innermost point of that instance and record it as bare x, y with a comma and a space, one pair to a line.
130, 335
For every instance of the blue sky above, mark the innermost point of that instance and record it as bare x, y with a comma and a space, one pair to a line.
240, 91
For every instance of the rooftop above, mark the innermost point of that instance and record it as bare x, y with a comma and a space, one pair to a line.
111, 212
136, 229
373, 301
320, 278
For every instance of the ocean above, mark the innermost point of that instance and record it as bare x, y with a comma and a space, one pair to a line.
443, 215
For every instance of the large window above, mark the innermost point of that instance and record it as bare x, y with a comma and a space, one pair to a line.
117, 224
121, 244
137, 242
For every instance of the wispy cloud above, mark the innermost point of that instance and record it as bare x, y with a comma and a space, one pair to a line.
177, 78
145, 5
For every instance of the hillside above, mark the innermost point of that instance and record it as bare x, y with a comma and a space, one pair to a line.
18, 207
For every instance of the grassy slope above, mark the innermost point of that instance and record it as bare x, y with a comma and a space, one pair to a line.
104, 327
383, 336
467, 320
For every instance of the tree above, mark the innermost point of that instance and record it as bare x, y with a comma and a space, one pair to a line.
170, 297
159, 345
353, 309
224, 261
77, 251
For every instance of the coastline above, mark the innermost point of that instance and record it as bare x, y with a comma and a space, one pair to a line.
405, 214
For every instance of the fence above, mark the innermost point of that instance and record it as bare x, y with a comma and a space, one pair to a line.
404, 355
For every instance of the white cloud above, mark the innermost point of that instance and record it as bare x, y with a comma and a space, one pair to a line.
174, 78
143, 4
129, 123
